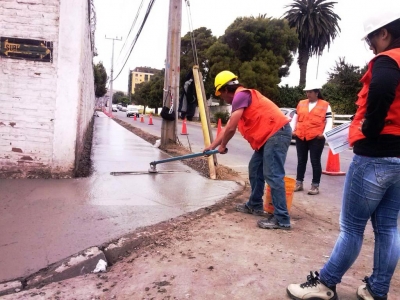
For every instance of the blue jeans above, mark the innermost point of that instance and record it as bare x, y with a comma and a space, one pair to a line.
371, 191
267, 164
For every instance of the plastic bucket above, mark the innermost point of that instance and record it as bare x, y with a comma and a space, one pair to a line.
290, 184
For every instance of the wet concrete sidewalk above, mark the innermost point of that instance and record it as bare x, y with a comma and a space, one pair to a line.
44, 221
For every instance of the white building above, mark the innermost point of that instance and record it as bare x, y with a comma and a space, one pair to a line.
46, 85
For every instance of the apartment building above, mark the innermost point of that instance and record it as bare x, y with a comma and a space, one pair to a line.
139, 75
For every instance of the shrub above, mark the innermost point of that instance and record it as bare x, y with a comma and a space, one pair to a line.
223, 115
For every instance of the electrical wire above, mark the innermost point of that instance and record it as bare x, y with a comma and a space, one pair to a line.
192, 38
137, 36
132, 26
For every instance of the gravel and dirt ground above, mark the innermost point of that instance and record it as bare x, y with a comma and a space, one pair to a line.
221, 254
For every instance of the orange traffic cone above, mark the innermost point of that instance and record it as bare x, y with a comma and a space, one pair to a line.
151, 120
141, 119
184, 129
333, 165
134, 117
219, 129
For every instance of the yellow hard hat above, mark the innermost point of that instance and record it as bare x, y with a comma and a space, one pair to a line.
223, 78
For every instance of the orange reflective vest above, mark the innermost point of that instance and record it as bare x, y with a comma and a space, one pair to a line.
310, 124
392, 120
260, 120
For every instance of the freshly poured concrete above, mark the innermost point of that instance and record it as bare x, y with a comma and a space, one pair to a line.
43, 221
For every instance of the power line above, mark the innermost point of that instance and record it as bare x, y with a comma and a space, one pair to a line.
137, 35
192, 38
133, 25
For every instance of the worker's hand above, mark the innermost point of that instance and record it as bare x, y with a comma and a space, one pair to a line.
208, 148
222, 149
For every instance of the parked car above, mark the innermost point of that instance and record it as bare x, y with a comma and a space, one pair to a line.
114, 107
290, 113
132, 110
123, 108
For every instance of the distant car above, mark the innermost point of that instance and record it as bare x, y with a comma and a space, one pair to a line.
290, 113
123, 108
114, 107
131, 111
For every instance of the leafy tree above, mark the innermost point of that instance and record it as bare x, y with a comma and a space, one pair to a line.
100, 79
203, 39
117, 97
316, 25
125, 101
150, 93
289, 96
258, 49
343, 86
142, 94
156, 91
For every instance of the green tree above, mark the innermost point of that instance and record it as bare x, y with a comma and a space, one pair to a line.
100, 79
156, 91
289, 96
117, 97
316, 25
258, 49
142, 94
203, 40
150, 93
343, 86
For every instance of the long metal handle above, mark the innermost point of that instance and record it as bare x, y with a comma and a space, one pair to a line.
210, 152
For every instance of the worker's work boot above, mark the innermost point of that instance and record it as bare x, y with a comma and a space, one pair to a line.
298, 187
312, 289
364, 292
314, 190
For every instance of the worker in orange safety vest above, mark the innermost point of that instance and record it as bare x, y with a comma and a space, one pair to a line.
313, 117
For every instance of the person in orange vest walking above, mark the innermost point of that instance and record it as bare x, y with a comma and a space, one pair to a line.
268, 131
312, 118
372, 184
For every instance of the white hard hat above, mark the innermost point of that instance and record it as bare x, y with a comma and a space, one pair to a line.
380, 18
312, 86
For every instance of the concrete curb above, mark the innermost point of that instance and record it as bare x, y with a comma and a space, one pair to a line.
80, 264
10, 287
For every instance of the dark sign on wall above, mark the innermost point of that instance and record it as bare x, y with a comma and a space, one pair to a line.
26, 49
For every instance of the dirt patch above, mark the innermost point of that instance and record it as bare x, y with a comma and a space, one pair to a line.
200, 164
84, 167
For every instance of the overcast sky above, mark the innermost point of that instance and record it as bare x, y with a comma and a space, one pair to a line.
114, 19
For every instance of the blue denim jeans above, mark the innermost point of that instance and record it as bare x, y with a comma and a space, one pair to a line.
267, 165
371, 191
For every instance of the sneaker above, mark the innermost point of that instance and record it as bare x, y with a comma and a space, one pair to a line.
313, 289
271, 223
298, 187
314, 190
243, 208
364, 292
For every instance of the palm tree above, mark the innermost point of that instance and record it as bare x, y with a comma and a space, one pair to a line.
316, 25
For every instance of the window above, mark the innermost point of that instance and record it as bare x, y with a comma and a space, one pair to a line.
146, 77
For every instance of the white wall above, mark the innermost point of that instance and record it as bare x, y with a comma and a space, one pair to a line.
27, 88
45, 106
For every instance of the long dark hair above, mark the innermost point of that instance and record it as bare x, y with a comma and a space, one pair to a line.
319, 94
394, 29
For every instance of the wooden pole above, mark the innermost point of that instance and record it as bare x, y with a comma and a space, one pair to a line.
172, 71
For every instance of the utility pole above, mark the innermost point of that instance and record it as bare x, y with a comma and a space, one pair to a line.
172, 71
112, 73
